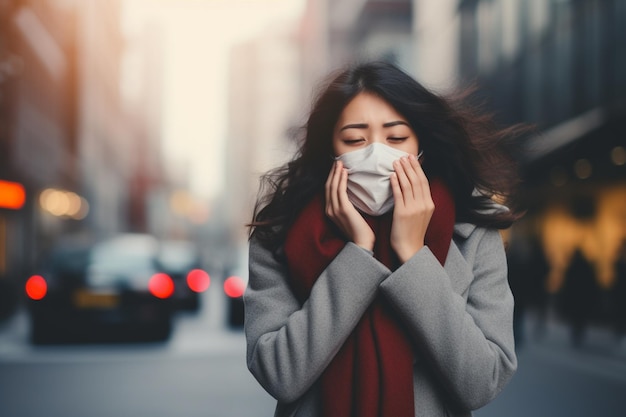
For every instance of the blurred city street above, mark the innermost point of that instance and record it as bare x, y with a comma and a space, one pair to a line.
134, 133
201, 372
555, 379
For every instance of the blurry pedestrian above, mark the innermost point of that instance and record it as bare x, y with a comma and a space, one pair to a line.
528, 269
378, 281
579, 296
517, 258
538, 296
619, 295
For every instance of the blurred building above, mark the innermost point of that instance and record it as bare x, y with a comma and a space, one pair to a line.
336, 33
561, 66
370, 29
85, 163
39, 149
313, 39
107, 150
142, 85
264, 92
436, 43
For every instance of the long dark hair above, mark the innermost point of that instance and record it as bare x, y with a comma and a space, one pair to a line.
461, 145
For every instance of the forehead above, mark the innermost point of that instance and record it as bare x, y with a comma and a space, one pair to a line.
368, 107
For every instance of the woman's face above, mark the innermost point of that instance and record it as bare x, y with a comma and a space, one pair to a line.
369, 119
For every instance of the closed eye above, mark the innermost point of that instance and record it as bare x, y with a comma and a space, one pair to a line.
353, 141
397, 139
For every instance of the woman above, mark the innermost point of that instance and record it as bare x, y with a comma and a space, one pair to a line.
378, 279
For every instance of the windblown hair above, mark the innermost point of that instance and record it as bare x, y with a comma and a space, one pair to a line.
461, 145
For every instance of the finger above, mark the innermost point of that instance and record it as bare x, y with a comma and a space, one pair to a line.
395, 189
409, 170
328, 184
334, 186
414, 164
423, 180
342, 189
417, 177
330, 176
405, 184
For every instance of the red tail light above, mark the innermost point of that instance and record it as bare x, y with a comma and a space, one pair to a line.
234, 287
198, 280
161, 285
36, 287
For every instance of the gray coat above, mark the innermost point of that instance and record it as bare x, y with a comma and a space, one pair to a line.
459, 318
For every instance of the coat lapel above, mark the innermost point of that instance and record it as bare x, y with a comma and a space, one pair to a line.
459, 271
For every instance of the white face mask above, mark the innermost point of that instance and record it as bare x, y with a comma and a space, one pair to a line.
369, 169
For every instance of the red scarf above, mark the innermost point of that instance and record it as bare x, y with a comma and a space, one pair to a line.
372, 374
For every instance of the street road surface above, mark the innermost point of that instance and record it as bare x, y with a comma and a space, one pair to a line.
557, 380
201, 372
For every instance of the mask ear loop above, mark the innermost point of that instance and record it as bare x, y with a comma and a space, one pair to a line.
419, 156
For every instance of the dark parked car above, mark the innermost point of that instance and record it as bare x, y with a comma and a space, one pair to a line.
110, 291
181, 260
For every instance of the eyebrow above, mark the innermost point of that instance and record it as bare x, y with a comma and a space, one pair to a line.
395, 123
365, 125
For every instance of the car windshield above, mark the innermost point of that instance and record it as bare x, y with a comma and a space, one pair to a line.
177, 257
124, 257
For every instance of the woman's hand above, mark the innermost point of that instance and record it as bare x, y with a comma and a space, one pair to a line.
413, 207
342, 212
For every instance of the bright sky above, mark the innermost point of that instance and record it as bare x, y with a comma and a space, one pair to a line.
197, 38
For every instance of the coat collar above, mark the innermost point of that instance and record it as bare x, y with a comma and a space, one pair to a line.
464, 230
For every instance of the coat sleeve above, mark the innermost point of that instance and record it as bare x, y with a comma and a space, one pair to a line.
468, 343
288, 344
